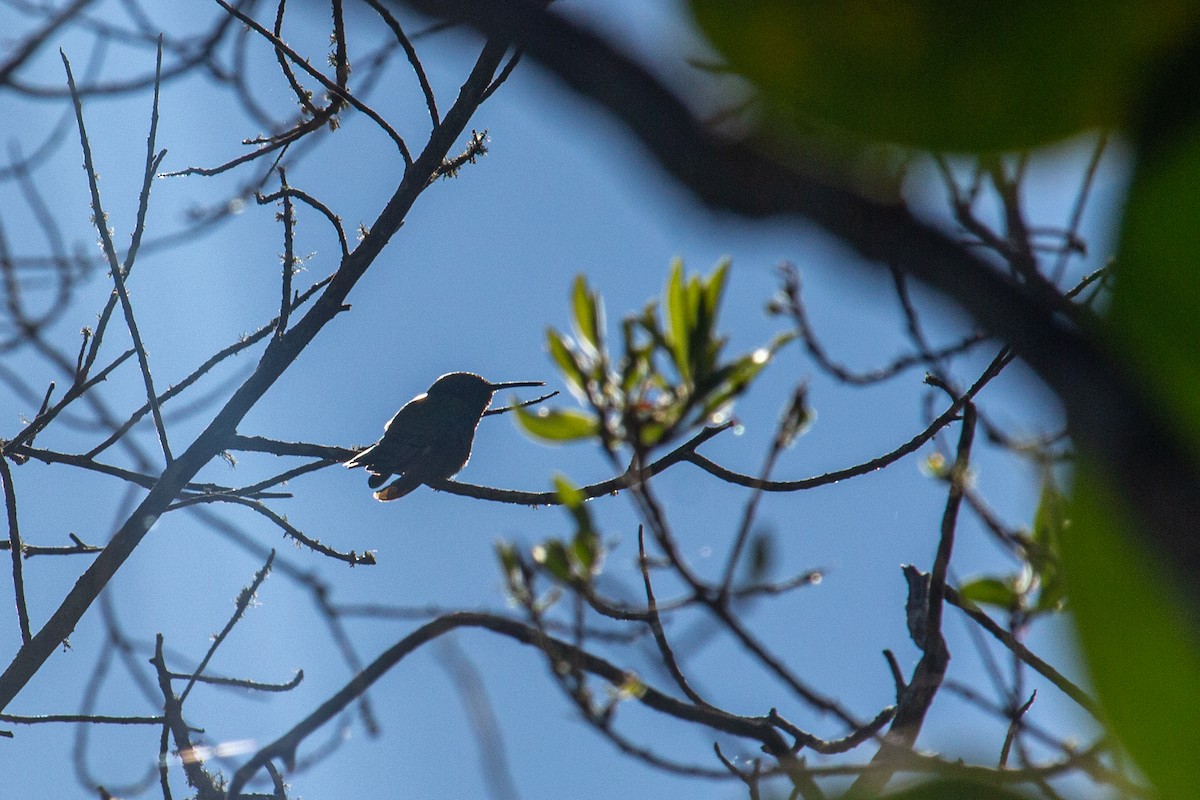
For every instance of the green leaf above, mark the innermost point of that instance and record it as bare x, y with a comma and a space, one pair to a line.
745, 369
568, 361
589, 314
680, 331
651, 433
1050, 520
714, 287
706, 344
558, 425
509, 560
946, 76
636, 364
991, 591
514, 570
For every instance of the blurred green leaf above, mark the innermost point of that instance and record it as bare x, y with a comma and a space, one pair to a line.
1137, 623
632, 686
558, 425
797, 418
1137, 626
514, 572
552, 556
1156, 292
1050, 523
585, 550
991, 591
707, 344
652, 433
714, 287
946, 76
700, 326
508, 556
568, 493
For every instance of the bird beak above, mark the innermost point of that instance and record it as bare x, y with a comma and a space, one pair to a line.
515, 385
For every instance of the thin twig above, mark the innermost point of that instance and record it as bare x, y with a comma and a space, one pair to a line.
782, 438
1002, 359
353, 558
411, 53
101, 221
241, 683
1089, 175
78, 390
289, 254
335, 90
308, 199
14, 543
660, 636
245, 598
241, 344
1022, 652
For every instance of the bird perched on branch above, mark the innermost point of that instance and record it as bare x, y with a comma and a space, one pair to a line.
429, 439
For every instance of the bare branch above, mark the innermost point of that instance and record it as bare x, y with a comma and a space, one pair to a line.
284, 748
16, 548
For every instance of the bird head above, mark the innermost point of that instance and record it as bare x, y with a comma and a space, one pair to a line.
471, 390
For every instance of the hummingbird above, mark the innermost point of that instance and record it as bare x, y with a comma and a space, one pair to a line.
430, 438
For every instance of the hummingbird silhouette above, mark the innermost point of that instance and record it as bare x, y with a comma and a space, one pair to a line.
429, 439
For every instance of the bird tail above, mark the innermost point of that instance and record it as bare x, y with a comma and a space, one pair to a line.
360, 459
398, 488
366, 458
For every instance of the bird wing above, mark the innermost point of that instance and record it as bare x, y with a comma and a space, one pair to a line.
406, 413
405, 442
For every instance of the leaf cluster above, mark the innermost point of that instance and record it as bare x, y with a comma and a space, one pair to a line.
668, 376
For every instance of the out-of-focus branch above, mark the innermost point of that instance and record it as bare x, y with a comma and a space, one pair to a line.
197, 776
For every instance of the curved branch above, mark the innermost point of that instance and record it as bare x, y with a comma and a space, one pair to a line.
1001, 360
760, 729
353, 558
